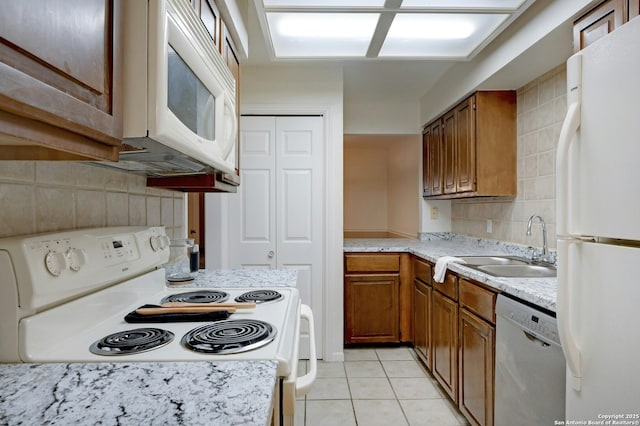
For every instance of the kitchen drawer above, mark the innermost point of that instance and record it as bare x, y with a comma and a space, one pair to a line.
478, 300
449, 287
422, 271
379, 262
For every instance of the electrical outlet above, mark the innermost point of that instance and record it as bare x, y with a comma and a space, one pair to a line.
434, 213
489, 226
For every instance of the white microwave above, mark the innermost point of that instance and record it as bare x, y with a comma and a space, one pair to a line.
179, 95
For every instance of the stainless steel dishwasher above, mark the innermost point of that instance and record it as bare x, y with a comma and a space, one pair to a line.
530, 366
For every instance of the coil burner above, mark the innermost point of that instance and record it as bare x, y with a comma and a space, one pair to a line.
260, 296
230, 336
132, 341
201, 296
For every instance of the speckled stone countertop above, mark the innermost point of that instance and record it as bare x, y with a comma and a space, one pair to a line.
178, 393
240, 278
159, 393
539, 291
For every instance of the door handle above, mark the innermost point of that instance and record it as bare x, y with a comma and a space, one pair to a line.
271, 254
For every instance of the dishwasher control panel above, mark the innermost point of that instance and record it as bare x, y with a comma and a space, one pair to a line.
536, 322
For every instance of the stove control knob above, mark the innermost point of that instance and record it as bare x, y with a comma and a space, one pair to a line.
77, 258
55, 263
164, 242
155, 243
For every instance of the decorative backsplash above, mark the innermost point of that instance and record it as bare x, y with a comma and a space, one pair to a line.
542, 106
43, 196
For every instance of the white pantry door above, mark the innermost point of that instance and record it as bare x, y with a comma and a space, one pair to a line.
276, 220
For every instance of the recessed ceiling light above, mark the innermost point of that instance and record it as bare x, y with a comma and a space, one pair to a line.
440, 35
462, 4
321, 34
324, 3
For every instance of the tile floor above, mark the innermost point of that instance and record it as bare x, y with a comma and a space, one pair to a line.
387, 386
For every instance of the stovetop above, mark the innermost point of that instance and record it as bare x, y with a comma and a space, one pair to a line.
65, 333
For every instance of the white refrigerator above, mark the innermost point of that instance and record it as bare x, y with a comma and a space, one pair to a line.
598, 227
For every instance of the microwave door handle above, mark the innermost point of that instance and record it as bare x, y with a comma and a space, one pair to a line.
228, 143
209, 112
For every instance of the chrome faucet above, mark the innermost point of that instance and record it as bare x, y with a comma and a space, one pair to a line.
545, 250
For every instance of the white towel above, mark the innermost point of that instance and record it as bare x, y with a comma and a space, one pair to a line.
441, 267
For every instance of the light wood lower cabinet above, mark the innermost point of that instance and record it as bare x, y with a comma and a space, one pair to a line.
454, 335
421, 321
372, 308
444, 340
476, 368
377, 298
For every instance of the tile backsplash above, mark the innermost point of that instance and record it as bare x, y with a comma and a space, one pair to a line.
542, 106
44, 196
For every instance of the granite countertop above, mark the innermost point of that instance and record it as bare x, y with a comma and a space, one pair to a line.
539, 291
241, 278
193, 393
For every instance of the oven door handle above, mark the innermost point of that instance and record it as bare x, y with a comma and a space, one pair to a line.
304, 383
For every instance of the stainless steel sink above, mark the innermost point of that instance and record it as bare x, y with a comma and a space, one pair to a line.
493, 260
509, 266
518, 271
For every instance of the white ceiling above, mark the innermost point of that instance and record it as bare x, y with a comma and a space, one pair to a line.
376, 80
364, 80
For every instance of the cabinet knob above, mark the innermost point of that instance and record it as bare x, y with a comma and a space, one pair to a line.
271, 254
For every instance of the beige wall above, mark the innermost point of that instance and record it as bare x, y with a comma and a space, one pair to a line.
47, 196
541, 109
381, 183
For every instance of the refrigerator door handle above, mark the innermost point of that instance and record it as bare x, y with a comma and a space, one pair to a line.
568, 254
567, 135
569, 129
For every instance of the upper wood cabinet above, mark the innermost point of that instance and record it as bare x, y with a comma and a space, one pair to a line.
210, 17
599, 22
432, 146
60, 80
634, 9
476, 156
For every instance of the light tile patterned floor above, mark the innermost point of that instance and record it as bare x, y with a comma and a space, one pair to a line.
386, 386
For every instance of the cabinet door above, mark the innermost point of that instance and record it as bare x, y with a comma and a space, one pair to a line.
465, 157
444, 340
432, 159
634, 9
211, 19
449, 152
477, 354
598, 23
371, 308
60, 76
422, 320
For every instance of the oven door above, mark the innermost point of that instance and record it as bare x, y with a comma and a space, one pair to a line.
294, 386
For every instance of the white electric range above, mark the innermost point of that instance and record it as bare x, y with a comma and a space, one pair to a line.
72, 297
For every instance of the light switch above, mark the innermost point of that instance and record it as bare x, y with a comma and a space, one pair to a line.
489, 226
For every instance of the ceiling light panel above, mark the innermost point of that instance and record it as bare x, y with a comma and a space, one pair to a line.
300, 35
440, 35
462, 4
323, 3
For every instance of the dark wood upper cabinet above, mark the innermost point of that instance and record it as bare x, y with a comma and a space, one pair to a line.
477, 157
634, 9
466, 146
210, 17
432, 159
599, 22
60, 80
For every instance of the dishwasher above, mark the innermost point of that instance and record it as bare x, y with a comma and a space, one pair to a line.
530, 366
